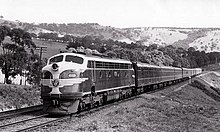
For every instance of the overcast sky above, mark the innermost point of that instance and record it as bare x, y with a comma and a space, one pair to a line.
116, 13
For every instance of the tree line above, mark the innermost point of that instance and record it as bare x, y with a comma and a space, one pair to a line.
152, 54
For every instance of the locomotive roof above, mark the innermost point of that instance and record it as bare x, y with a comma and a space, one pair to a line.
96, 58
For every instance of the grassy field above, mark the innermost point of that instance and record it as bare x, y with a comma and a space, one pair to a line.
53, 48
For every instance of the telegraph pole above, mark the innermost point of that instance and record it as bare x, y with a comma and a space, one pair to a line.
42, 50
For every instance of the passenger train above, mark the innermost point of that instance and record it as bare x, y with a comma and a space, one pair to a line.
72, 82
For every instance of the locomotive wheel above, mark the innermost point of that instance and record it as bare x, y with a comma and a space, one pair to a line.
88, 106
101, 101
97, 104
80, 107
120, 96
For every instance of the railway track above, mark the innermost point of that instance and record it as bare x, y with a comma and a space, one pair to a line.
39, 121
25, 124
12, 113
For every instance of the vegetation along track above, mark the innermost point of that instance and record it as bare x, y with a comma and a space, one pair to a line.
37, 121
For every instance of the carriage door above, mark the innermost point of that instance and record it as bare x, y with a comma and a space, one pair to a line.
93, 77
135, 67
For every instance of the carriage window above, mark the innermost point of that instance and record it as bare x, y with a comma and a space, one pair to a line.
75, 59
56, 59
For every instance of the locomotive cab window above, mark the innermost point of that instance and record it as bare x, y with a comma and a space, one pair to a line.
74, 59
56, 59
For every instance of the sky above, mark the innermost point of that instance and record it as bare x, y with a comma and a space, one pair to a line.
116, 13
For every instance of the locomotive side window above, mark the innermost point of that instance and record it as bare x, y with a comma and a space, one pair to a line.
117, 66
111, 65
90, 64
98, 64
74, 59
56, 59
108, 65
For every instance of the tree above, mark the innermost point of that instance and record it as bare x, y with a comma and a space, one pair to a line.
4, 31
152, 47
14, 57
34, 67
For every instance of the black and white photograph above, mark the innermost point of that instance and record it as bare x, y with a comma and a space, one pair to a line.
109, 66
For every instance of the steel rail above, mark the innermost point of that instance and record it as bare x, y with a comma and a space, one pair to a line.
18, 122
8, 114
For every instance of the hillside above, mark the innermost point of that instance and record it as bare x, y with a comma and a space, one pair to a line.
209, 42
206, 39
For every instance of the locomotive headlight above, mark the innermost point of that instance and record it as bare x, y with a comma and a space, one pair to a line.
55, 67
72, 75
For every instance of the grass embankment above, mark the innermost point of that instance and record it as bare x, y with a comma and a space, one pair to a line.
16, 96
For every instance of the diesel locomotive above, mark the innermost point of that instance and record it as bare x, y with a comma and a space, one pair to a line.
72, 82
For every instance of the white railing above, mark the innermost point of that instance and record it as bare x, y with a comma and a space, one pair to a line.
20, 80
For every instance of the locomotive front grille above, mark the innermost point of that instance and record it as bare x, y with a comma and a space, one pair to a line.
46, 89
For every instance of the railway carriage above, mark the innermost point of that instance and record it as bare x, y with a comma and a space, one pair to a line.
72, 81
178, 73
168, 74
